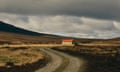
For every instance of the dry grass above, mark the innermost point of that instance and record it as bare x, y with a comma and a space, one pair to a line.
93, 50
20, 56
12, 38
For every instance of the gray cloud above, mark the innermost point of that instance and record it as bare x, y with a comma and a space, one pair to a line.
104, 9
65, 25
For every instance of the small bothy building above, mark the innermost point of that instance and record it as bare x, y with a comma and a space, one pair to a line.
67, 41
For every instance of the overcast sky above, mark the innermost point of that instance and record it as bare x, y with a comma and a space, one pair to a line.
78, 18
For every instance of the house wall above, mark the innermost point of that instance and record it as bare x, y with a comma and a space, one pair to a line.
66, 42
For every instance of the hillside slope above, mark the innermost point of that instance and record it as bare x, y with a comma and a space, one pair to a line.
4, 27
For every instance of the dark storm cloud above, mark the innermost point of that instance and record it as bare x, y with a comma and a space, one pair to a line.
66, 25
98, 18
105, 9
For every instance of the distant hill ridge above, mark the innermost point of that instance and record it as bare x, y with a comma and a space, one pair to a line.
4, 27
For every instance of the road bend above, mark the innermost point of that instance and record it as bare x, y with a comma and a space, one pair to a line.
62, 62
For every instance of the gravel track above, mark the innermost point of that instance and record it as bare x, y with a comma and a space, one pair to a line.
55, 62
57, 58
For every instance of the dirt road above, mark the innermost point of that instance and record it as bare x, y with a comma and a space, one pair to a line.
55, 62
35, 45
61, 62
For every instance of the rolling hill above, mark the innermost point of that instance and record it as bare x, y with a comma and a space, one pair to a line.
4, 27
11, 33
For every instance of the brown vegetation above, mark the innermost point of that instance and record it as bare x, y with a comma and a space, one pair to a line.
12, 38
20, 56
12, 58
99, 56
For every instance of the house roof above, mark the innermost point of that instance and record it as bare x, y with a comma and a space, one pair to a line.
67, 40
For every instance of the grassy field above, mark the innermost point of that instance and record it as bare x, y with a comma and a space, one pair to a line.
103, 55
20, 56
99, 58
